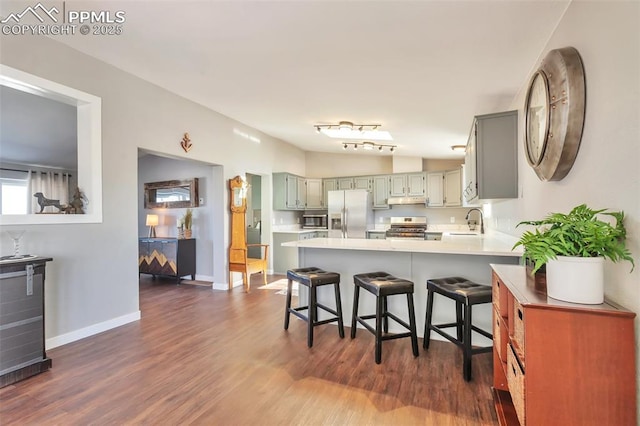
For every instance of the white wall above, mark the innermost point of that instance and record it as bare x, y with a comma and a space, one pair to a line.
152, 168
325, 165
606, 173
92, 283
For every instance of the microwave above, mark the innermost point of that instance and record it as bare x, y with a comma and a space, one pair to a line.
314, 221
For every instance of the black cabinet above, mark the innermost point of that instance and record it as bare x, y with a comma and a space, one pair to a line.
167, 256
22, 352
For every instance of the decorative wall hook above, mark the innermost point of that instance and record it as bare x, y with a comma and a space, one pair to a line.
186, 143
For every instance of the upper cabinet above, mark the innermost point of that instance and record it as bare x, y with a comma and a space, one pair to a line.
380, 191
435, 193
453, 188
289, 192
408, 185
360, 182
329, 185
491, 163
315, 194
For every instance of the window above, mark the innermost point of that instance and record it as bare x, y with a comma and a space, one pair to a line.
13, 196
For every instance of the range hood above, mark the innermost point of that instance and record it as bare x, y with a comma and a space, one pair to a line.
406, 200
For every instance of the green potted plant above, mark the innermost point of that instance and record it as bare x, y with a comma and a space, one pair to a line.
573, 247
187, 221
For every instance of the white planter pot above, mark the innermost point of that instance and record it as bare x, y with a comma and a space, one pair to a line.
576, 279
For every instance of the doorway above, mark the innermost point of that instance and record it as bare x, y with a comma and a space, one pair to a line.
254, 214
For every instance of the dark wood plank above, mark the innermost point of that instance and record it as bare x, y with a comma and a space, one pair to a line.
202, 356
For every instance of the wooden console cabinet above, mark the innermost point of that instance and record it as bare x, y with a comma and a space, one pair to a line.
167, 256
22, 348
558, 363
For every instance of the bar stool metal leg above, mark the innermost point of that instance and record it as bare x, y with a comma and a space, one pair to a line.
312, 312
459, 321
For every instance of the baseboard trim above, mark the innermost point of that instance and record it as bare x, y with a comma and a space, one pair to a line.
204, 278
82, 333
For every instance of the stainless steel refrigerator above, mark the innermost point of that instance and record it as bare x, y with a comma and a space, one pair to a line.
350, 213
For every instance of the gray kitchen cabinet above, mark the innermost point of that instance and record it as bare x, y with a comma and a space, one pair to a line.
362, 182
329, 185
314, 194
285, 258
345, 183
289, 192
408, 185
376, 235
453, 188
22, 316
435, 193
491, 162
397, 185
380, 191
322, 234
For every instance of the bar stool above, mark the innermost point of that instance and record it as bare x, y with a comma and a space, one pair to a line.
465, 293
313, 278
382, 285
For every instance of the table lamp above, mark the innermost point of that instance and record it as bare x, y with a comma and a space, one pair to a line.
152, 222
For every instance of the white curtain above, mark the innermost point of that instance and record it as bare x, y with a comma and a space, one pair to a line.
52, 185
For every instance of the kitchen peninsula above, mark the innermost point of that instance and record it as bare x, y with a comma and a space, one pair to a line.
468, 256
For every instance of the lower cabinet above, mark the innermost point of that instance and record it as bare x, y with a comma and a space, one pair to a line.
558, 363
167, 256
376, 235
22, 352
285, 258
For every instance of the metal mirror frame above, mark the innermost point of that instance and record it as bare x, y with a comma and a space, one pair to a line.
564, 73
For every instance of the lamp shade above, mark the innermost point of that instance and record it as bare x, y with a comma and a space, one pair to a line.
152, 220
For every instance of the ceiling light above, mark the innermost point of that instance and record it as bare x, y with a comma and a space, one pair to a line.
368, 146
459, 148
348, 130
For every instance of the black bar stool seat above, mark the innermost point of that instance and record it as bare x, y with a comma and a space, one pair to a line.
383, 284
466, 294
313, 278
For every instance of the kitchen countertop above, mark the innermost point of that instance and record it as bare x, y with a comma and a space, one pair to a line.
297, 231
490, 244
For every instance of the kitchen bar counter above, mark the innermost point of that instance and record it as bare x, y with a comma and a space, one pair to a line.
418, 261
485, 245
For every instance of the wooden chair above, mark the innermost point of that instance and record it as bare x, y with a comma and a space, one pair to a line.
239, 260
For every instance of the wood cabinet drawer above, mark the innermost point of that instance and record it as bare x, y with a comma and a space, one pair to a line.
500, 296
516, 383
500, 335
516, 327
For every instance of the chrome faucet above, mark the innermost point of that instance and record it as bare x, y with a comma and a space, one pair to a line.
481, 218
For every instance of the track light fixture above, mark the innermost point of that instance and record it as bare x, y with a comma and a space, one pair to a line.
368, 146
349, 130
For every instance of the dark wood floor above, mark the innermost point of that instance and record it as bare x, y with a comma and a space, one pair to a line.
199, 356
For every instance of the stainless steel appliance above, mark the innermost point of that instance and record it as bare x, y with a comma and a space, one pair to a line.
350, 213
314, 221
407, 228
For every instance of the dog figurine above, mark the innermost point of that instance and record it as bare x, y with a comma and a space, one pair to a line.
44, 202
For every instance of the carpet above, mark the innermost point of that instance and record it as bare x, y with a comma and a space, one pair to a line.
281, 286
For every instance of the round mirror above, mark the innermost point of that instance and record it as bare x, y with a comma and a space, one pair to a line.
537, 118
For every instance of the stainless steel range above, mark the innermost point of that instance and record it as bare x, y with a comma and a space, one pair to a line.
407, 228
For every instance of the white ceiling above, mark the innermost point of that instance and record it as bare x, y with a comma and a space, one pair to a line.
422, 69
